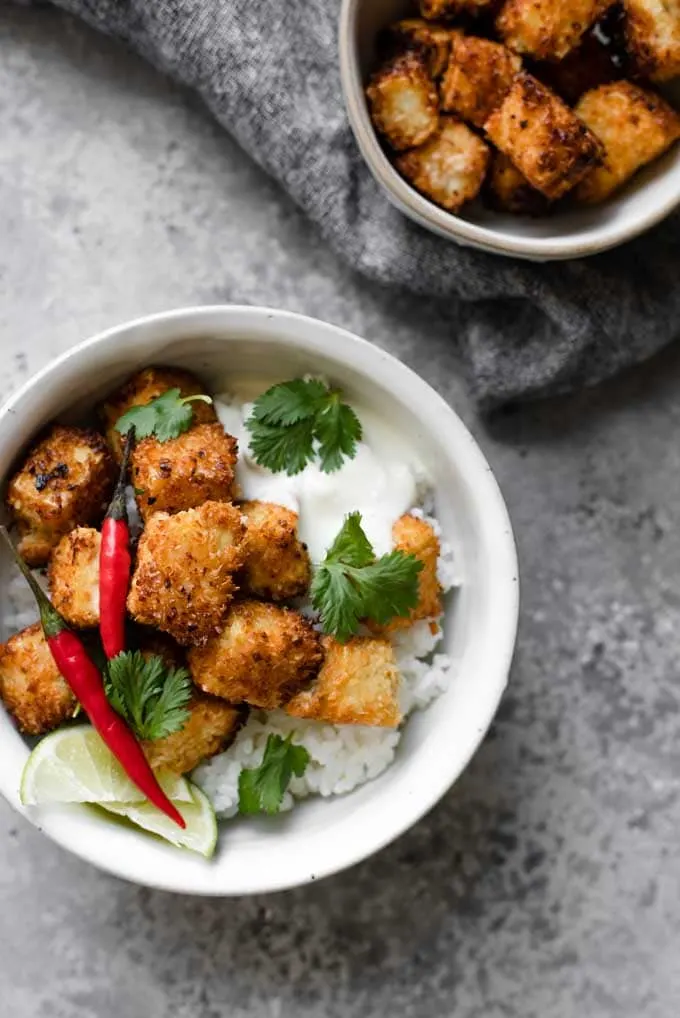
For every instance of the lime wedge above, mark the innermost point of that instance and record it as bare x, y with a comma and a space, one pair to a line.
200, 833
74, 765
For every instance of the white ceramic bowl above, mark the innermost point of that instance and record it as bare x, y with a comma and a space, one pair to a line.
647, 199
320, 836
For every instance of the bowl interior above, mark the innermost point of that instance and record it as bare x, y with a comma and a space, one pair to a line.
319, 836
649, 196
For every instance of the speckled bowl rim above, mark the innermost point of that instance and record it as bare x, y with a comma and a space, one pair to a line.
147, 862
446, 224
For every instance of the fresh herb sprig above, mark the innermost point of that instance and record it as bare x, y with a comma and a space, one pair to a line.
261, 789
166, 417
152, 697
295, 421
352, 585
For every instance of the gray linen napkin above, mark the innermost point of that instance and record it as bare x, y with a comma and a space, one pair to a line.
268, 70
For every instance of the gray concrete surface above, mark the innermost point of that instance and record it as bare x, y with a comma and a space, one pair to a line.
546, 883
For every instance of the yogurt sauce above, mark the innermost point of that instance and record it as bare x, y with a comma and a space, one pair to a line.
381, 482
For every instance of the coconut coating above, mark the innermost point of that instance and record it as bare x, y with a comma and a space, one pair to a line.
263, 655
277, 565
183, 578
65, 482
31, 686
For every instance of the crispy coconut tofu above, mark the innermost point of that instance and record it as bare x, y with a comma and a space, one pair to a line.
66, 481
416, 537
183, 579
403, 100
277, 565
507, 190
196, 467
144, 387
31, 686
589, 65
547, 29
545, 140
415, 33
357, 685
211, 727
634, 124
652, 32
263, 655
450, 167
478, 76
74, 577
452, 8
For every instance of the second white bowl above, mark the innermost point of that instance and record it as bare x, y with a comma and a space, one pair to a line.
647, 199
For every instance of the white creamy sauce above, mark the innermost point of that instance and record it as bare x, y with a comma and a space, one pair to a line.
381, 482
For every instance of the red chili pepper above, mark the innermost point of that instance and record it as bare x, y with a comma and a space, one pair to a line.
85, 680
115, 564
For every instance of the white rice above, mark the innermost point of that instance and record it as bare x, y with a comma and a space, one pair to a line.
341, 756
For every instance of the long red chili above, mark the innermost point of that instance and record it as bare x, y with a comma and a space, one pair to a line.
115, 564
85, 680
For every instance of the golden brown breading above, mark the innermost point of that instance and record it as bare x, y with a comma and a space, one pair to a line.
182, 582
636, 126
403, 101
277, 564
31, 686
193, 468
357, 685
144, 387
652, 31
506, 190
547, 29
450, 167
263, 656
66, 481
585, 67
477, 78
416, 537
545, 140
74, 577
415, 33
210, 728
451, 8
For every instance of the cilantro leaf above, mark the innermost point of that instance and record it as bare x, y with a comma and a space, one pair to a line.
293, 421
338, 430
351, 585
149, 695
290, 402
283, 449
165, 417
261, 789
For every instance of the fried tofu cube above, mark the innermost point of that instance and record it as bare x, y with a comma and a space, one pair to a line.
634, 124
263, 655
144, 387
211, 727
652, 32
545, 140
507, 190
31, 686
449, 169
403, 101
415, 33
196, 467
66, 481
73, 577
357, 685
416, 537
547, 29
452, 8
277, 565
478, 76
589, 65
183, 579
